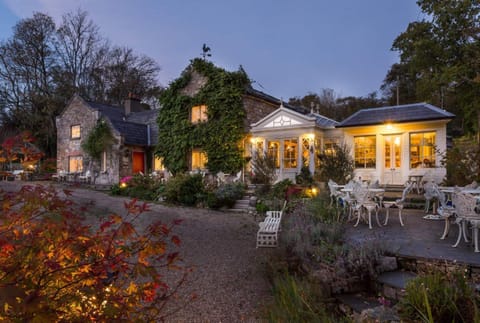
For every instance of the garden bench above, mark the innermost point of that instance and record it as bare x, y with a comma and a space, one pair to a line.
267, 235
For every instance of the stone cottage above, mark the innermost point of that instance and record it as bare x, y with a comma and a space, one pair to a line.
133, 127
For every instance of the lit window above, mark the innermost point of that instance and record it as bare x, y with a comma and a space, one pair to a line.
365, 152
75, 164
103, 162
422, 149
158, 164
75, 132
199, 159
305, 151
330, 147
290, 148
199, 114
274, 152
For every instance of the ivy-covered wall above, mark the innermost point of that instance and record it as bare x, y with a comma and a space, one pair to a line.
221, 135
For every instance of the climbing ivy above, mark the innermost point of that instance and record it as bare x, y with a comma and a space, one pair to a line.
220, 136
98, 140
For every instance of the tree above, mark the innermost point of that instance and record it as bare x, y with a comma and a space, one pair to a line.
42, 67
55, 266
27, 61
440, 60
329, 104
81, 51
20, 148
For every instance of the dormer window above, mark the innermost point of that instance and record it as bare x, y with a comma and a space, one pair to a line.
75, 132
198, 114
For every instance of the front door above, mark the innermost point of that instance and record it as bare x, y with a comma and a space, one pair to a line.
138, 164
392, 165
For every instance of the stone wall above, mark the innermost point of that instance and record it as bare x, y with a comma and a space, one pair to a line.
78, 113
197, 81
256, 109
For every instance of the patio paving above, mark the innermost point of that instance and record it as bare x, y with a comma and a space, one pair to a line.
419, 238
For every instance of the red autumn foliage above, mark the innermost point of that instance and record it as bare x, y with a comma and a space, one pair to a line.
20, 148
56, 266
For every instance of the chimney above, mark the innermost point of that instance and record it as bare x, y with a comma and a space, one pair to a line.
133, 104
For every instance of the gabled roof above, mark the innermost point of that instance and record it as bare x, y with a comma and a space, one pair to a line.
396, 114
132, 127
320, 120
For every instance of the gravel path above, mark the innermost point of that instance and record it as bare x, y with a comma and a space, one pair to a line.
228, 271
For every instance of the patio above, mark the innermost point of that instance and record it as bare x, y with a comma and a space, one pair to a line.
419, 238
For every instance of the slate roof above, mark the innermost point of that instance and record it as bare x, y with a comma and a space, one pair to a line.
399, 114
132, 127
321, 121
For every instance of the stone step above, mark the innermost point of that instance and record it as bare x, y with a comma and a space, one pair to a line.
366, 308
392, 284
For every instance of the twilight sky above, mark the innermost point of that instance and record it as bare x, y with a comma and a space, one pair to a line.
288, 48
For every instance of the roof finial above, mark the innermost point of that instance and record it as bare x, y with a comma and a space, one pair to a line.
281, 102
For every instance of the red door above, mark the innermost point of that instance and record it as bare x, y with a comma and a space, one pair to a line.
138, 162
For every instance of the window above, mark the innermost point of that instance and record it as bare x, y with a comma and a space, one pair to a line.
422, 149
75, 164
365, 152
158, 164
199, 159
103, 162
274, 152
198, 114
330, 147
75, 132
305, 151
290, 148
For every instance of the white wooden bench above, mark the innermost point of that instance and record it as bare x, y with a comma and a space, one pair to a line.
267, 235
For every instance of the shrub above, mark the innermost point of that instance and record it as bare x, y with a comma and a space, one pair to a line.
185, 189
305, 178
462, 162
139, 186
264, 169
55, 267
296, 301
337, 166
227, 194
212, 201
439, 297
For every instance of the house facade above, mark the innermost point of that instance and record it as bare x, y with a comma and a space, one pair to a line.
198, 129
135, 134
293, 137
391, 144
388, 144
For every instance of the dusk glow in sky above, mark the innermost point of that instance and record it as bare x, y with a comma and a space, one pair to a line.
288, 48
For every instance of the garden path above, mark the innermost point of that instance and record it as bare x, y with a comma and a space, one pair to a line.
228, 272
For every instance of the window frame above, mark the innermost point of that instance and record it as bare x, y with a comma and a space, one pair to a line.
158, 165
290, 156
369, 153
72, 131
423, 160
202, 114
274, 152
103, 162
203, 159
77, 170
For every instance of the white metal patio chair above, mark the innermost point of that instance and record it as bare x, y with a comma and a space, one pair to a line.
465, 209
446, 210
431, 194
400, 203
362, 201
